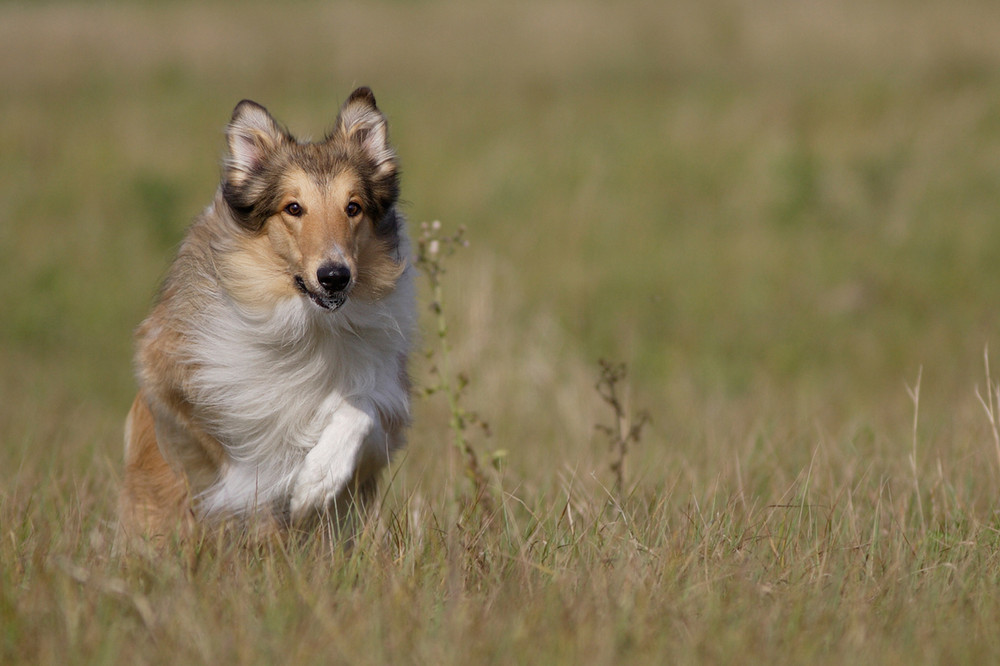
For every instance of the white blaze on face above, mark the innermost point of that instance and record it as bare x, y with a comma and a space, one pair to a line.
322, 232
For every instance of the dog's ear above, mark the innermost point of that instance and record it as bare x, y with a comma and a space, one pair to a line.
252, 136
361, 123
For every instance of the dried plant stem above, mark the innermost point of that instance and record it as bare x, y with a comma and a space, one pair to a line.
627, 428
991, 403
432, 247
915, 397
457, 420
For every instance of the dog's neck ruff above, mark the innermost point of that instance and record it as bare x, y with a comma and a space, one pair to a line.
270, 381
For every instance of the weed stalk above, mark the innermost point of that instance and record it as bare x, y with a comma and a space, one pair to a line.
915, 397
991, 403
433, 247
626, 429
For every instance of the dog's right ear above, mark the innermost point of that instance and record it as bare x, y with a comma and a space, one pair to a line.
252, 136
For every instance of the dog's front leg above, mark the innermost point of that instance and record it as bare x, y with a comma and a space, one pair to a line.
330, 466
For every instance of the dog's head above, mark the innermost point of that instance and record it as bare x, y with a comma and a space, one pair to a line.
318, 219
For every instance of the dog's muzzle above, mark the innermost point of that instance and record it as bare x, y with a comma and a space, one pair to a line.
335, 281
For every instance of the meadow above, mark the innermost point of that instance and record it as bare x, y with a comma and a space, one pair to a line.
782, 217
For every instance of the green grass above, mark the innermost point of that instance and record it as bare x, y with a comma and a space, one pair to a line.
783, 216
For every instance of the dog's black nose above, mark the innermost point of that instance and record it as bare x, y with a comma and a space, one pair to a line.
334, 278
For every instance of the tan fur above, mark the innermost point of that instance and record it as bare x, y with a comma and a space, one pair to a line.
377, 270
155, 497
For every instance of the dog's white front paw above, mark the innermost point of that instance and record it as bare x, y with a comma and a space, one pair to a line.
329, 467
314, 490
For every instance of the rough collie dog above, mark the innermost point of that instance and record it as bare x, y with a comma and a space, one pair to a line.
272, 369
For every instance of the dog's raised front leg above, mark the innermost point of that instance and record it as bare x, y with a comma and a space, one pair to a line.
330, 466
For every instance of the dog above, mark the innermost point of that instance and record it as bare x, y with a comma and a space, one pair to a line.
272, 369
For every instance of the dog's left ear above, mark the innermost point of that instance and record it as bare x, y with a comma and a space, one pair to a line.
361, 123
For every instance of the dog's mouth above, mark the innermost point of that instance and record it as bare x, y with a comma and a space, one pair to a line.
326, 301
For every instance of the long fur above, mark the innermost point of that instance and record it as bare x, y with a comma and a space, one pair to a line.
262, 395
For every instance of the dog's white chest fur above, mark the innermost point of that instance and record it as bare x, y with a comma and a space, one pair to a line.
299, 398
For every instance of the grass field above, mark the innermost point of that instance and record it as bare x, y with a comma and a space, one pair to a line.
783, 216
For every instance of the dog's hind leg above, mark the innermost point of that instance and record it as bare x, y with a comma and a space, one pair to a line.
154, 500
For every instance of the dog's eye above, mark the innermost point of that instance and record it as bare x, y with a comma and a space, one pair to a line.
294, 209
353, 209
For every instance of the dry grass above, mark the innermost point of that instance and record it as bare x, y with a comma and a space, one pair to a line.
781, 216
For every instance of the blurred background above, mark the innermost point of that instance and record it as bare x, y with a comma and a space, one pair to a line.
777, 212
